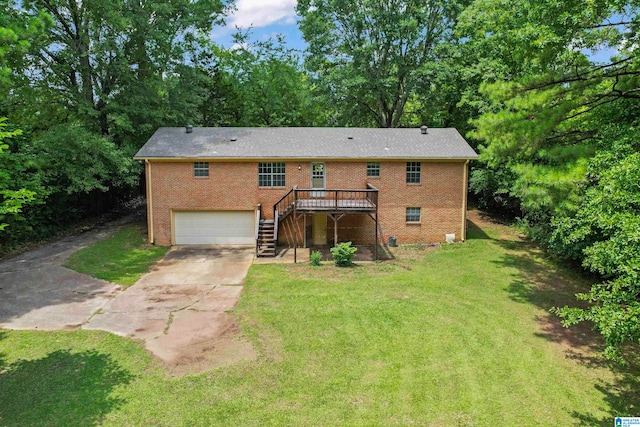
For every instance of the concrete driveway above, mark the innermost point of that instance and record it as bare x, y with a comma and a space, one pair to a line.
36, 292
179, 309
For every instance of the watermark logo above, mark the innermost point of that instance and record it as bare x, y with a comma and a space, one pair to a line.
627, 422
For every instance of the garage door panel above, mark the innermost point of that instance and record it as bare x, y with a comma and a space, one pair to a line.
214, 228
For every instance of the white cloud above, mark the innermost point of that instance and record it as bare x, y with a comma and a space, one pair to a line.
260, 13
240, 46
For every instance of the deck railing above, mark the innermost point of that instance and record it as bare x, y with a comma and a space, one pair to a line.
327, 200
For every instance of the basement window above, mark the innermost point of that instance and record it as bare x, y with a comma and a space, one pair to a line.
271, 174
201, 169
413, 215
414, 172
373, 169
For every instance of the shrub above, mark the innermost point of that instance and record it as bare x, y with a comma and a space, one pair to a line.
343, 254
316, 257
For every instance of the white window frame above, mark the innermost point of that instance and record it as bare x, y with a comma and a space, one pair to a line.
414, 169
410, 215
267, 175
201, 169
373, 169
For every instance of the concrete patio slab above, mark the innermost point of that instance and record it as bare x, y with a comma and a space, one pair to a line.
201, 265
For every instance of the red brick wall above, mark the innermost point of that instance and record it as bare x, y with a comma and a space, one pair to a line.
234, 186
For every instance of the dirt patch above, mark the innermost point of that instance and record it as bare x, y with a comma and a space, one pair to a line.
225, 348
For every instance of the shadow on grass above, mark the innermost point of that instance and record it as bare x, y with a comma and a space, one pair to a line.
622, 395
546, 283
61, 389
475, 232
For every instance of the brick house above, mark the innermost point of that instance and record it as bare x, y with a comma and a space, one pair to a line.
305, 186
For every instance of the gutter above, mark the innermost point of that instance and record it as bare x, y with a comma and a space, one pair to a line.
150, 230
465, 189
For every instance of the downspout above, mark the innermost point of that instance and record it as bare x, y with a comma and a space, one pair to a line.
465, 189
149, 203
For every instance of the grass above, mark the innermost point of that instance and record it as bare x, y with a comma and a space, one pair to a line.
454, 336
122, 258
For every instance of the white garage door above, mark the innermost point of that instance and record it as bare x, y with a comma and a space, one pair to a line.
214, 228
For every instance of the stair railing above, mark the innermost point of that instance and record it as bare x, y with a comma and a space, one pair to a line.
258, 216
276, 220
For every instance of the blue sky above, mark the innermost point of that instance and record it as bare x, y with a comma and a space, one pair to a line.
267, 17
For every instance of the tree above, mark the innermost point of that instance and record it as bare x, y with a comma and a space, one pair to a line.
370, 57
552, 115
11, 201
270, 87
605, 230
88, 82
97, 57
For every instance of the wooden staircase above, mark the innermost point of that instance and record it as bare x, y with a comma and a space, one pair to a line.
266, 243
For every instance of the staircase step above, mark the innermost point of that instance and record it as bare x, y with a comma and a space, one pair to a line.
266, 245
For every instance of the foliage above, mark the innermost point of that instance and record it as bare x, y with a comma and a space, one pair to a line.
122, 258
271, 87
343, 254
88, 82
11, 201
553, 117
605, 230
97, 58
374, 59
315, 258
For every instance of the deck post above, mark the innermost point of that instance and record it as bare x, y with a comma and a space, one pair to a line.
335, 217
375, 247
295, 227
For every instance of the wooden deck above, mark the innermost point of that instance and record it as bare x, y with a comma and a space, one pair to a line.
328, 201
333, 205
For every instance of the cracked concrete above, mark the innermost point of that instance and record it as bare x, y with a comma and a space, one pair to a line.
179, 310
36, 292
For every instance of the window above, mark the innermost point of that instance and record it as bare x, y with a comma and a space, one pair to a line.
413, 214
271, 174
413, 172
373, 169
201, 169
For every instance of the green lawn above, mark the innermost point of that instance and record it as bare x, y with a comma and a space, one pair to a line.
455, 336
121, 258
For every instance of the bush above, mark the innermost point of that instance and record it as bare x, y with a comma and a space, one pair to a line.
316, 257
343, 254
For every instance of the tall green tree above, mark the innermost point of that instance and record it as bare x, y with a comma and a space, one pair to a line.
604, 233
104, 62
371, 57
548, 125
271, 86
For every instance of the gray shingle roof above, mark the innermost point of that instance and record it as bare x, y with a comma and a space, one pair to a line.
306, 143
